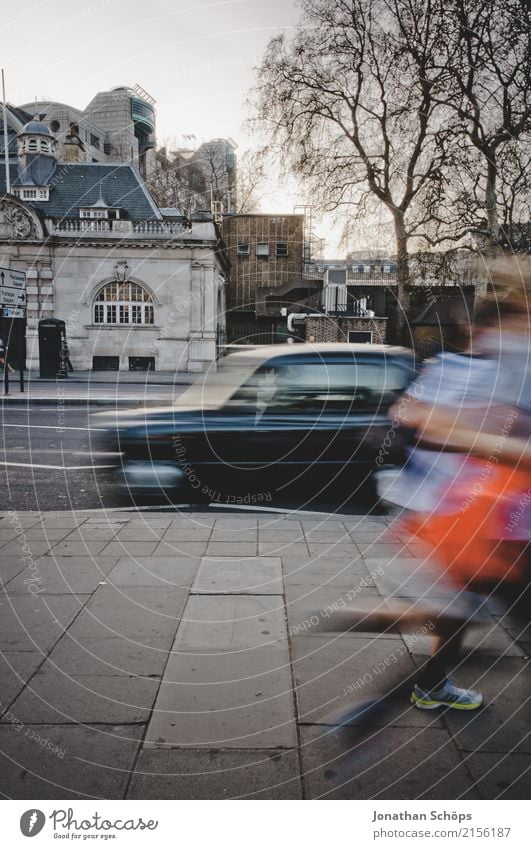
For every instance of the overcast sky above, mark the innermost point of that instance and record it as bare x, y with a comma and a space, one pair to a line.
195, 58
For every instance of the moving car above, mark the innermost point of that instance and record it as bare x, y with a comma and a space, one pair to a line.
272, 420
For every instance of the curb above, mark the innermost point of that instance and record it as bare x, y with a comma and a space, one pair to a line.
84, 402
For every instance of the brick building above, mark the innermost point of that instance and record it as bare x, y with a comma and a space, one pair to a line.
266, 258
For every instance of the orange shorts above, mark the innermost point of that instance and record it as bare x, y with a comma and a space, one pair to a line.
474, 542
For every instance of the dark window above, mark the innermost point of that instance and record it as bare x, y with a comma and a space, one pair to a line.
105, 363
360, 336
282, 248
243, 249
94, 140
331, 387
55, 126
141, 363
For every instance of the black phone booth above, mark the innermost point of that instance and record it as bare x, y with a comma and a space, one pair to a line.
52, 344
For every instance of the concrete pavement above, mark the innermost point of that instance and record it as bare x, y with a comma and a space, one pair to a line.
173, 655
93, 388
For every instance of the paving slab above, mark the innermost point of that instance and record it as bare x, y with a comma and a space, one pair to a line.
89, 533
147, 615
78, 548
35, 623
31, 548
141, 533
408, 577
503, 724
309, 607
231, 576
129, 548
278, 535
194, 534
285, 550
487, 638
9, 567
231, 549
109, 656
43, 534
178, 548
231, 624
338, 536
344, 571
63, 575
16, 668
332, 674
333, 550
67, 761
53, 697
391, 763
154, 572
216, 774
501, 776
221, 701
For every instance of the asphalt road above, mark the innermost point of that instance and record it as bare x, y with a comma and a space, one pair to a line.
58, 459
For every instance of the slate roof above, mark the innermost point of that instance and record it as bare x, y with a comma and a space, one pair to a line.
80, 184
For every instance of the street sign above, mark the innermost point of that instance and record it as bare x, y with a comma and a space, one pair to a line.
12, 288
13, 312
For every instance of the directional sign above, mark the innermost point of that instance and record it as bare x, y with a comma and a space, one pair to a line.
13, 312
12, 288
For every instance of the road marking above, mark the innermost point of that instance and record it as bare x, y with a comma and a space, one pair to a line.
54, 427
62, 468
286, 510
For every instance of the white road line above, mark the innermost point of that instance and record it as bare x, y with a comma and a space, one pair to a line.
53, 427
62, 468
286, 510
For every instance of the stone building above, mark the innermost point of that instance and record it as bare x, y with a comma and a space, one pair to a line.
138, 287
118, 125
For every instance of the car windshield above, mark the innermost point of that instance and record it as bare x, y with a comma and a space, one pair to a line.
322, 386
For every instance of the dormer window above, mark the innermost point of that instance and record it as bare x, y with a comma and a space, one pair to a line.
94, 213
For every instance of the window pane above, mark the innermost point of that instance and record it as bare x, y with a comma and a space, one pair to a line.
136, 314
124, 313
111, 314
330, 387
98, 313
149, 314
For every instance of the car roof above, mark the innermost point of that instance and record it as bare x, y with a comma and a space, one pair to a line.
262, 353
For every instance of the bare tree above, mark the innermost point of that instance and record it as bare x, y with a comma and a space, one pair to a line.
488, 87
192, 180
353, 105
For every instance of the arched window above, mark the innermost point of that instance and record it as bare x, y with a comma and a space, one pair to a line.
45, 146
123, 303
32, 145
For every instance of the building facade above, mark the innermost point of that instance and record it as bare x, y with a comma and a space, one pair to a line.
136, 286
265, 253
118, 125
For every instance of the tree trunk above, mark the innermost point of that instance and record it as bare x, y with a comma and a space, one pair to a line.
401, 332
491, 207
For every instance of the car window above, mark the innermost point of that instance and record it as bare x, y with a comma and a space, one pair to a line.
322, 387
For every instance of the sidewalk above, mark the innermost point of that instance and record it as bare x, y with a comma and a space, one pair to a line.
167, 655
97, 388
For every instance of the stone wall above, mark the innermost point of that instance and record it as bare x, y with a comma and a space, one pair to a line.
332, 329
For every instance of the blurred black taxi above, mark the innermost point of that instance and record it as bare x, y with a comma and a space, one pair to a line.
275, 419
